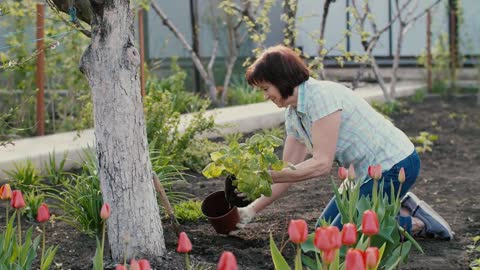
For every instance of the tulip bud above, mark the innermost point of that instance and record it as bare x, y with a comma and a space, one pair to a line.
328, 256
375, 171
342, 173
43, 214
327, 238
351, 173
105, 212
5, 192
298, 231
371, 257
120, 267
354, 260
334, 237
349, 234
144, 265
401, 175
227, 261
134, 265
184, 244
370, 225
17, 199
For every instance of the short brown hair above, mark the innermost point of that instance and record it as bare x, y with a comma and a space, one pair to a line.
280, 66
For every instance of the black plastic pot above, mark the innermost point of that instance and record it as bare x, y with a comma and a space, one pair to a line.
230, 194
219, 213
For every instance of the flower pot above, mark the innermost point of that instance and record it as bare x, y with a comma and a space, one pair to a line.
230, 194
218, 211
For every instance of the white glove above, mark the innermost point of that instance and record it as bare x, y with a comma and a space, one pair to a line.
246, 214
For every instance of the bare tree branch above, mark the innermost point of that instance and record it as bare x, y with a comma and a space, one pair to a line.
196, 60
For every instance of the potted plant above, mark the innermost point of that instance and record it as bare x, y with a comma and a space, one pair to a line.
245, 166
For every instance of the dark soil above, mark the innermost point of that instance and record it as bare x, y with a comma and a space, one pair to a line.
448, 182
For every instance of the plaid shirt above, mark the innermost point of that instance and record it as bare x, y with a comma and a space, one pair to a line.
365, 137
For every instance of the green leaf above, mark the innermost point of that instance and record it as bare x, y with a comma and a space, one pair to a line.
49, 255
411, 239
308, 245
98, 258
278, 260
212, 170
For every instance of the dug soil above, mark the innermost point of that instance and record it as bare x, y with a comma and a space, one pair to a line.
449, 182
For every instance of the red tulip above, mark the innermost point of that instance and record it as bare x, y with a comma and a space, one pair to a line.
328, 256
371, 257
144, 264
5, 192
43, 214
17, 199
105, 212
184, 244
351, 173
401, 175
370, 224
327, 238
354, 260
120, 267
134, 265
349, 234
227, 261
342, 173
375, 171
298, 231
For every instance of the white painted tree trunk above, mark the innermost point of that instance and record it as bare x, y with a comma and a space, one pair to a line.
111, 64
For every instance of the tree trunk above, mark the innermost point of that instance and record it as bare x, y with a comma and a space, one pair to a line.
110, 64
228, 77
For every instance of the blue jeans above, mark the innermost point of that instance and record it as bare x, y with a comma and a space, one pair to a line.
410, 164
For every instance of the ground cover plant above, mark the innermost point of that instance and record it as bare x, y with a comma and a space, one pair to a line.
447, 182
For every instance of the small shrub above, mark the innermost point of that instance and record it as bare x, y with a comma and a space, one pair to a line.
32, 202
241, 93
55, 175
81, 200
24, 177
188, 211
197, 155
419, 96
424, 141
475, 250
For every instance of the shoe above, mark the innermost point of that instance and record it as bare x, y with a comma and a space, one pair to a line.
410, 201
435, 225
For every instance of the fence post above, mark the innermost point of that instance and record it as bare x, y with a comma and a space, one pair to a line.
142, 51
429, 51
40, 71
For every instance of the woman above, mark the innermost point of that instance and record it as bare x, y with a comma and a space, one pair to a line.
330, 122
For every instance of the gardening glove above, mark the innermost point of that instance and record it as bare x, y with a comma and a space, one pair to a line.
246, 214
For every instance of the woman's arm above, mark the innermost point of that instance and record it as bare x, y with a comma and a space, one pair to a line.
294, 152
324, 139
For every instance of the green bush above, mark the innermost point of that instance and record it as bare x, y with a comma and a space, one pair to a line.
182, 100
164, 133
188, 211
197, 156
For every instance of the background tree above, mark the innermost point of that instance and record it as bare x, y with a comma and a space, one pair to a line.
110, 64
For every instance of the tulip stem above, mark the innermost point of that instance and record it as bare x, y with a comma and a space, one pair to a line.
324, 265
187, 261
7, 208
43, 245
402, 233
103, 237
375, 194
298, 258
398, 198
369, 240
19, 229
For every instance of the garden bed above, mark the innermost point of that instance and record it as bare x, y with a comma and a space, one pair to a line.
448, 182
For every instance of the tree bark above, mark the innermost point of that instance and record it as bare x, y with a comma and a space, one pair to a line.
111, 64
